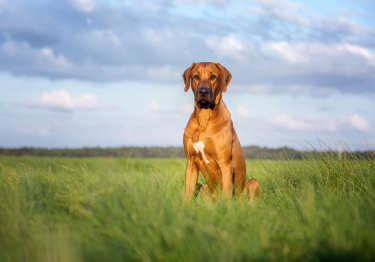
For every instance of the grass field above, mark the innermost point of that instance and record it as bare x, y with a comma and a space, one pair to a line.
59, 209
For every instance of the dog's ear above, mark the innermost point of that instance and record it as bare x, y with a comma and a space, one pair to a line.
186, 77
224, 77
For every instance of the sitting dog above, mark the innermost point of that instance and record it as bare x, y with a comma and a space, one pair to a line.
210, 141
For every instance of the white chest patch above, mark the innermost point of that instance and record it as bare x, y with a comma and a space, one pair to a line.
199, 146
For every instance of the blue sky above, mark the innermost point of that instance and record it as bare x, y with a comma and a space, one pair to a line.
79, 73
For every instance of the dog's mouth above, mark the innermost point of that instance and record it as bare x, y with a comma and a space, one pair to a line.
203, 101
205, 104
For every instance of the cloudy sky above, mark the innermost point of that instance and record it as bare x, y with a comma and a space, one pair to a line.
79, 73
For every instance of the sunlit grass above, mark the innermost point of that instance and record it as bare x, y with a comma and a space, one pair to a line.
57, 209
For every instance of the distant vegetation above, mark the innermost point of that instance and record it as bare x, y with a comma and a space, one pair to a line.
250, 152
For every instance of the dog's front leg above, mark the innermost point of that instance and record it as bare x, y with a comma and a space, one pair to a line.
191, 179
227, 174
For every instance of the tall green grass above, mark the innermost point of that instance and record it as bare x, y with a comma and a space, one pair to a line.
56, 209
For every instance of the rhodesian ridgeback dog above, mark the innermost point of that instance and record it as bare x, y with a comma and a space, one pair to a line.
210, 141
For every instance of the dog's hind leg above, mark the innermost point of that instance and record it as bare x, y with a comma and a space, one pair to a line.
201, 190
252, 189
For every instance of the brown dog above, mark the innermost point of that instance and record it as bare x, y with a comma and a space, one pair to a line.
210, 141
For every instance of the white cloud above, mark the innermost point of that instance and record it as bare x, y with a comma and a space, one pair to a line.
205, 2
359, 123
86, 6
310, 123
319, 57
185, 108
58, 61
107, 36
303, 122
354, 13
267, 89
42, 129
244, 112
309, 90
341, 25
295, 12
226, 46
163, 72
158, 36
255, 89
114, 38
5, 4
154, 106
63, 100
357, 50
287, 51
281, 9
41, 58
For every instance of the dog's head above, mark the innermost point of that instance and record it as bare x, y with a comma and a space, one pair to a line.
207, 81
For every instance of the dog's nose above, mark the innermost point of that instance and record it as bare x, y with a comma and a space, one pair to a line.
203, 91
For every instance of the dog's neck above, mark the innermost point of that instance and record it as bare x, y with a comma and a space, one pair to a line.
204, 115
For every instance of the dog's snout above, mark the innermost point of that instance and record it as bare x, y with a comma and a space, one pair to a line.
203, 91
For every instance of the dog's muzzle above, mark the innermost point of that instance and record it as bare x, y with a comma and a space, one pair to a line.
203, 94
204, 98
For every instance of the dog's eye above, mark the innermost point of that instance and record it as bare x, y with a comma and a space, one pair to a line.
213, 77
196, 77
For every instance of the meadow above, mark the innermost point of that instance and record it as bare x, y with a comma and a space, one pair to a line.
320, 208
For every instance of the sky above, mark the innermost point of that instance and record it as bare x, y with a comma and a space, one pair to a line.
87, 73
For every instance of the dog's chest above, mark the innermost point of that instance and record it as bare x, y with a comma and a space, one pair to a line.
200, 147
199, 151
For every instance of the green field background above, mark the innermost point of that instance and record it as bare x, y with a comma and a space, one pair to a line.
124, 209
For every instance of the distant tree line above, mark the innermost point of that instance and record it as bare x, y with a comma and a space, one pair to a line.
250, 152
